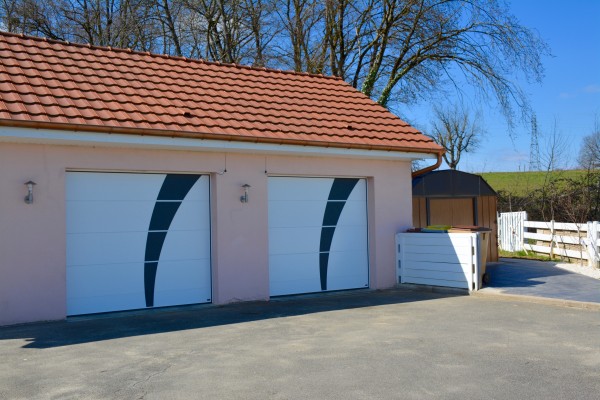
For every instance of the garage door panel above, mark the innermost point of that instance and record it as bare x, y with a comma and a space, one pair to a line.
294, 240
105, 248
311, 213
315, 243
299, 189
105, 279
109, 217
349, 238
346, 269
286, 265
353, 214
292, 273
306, 214
200, 191
182, 282
191, 215
106, 287
100, 186
308, 239
348, 281
179, 297
183, 274
133, 216
359, 193
295, 286
182, 245
194, 212
114, 302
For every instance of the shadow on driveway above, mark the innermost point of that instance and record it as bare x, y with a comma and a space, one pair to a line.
148, 322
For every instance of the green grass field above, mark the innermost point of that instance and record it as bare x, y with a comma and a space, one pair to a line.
520, 183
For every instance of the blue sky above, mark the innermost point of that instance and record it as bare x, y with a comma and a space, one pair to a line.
568, 100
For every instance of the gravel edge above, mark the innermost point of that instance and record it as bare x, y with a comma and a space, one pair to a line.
580, 269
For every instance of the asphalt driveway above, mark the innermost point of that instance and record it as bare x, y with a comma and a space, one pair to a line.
543, 280
358, 345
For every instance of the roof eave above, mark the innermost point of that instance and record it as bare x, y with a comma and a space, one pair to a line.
213, 136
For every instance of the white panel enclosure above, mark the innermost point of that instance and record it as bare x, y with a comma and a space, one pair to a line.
110, 238
314, 247
439, 259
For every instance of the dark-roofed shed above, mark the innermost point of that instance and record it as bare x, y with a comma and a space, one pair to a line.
451, 197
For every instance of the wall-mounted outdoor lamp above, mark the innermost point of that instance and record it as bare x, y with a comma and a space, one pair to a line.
29, 197
244, 198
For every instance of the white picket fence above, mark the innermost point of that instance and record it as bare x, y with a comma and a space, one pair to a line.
576, 241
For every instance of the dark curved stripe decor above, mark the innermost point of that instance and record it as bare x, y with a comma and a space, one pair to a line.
172, 193
341, 188
163, 215
326, 237
176, 186
154, 244
338, 195
150, 269
333, 210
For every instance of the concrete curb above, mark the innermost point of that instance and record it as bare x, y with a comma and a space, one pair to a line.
491, 292
488, 292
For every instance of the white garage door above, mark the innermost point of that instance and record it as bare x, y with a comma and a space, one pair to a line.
136, 241
317, 234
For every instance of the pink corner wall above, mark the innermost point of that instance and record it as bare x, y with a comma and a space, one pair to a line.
32, 237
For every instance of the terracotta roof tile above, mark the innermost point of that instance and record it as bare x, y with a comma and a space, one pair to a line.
70, 86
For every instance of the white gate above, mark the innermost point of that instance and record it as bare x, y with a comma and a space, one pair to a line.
510, 230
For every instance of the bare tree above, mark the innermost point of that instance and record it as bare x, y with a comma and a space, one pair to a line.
260, 22
554, 155
304, 45
589, 153
347, 24
403, 50
553, 159
457, 132
418, 43
168, 13
231, 31
117, 23
394, 51
33, 17
9, 20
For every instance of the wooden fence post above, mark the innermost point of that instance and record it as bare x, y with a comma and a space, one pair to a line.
551, 239
592, 244
522, 219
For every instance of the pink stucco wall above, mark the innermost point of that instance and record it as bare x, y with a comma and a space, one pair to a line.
32, 237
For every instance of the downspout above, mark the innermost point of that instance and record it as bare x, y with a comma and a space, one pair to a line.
431, 167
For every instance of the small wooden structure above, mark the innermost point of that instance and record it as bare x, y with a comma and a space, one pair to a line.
451, 197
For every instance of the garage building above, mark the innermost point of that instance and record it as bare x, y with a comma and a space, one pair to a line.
131, 180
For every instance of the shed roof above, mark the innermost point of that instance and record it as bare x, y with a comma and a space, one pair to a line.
60, 85
451, 183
